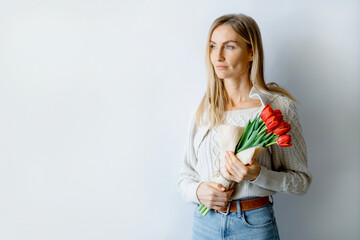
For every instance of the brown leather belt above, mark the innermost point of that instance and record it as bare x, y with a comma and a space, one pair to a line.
246, 205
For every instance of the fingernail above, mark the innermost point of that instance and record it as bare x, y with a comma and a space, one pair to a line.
223, 189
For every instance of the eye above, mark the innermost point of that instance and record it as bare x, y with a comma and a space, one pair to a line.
231, 47
212, 46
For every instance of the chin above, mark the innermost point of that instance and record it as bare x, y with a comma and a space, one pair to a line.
222, 76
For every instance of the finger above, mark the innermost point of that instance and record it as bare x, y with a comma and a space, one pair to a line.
234, 158
227, 174
218, 196
219, 209
216, 201
232, 167
218, 205
217, 186
235, 163
232, 173
222, 202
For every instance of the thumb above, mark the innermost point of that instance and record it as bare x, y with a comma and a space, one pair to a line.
218, 186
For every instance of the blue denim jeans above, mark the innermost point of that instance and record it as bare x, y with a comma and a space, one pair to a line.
256, 224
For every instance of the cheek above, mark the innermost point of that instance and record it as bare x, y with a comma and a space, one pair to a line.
240, 61
212, 59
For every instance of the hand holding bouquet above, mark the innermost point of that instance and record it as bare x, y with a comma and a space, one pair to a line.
265, 130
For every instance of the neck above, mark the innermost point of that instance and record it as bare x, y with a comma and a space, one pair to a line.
238, 90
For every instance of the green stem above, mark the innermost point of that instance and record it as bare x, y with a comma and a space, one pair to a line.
203, 210
261, 132
260, 139
262, 124
207, 210
271, 144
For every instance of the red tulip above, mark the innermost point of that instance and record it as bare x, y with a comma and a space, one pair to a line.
284, 140
278, 113
283, 128
272, 122
266, 112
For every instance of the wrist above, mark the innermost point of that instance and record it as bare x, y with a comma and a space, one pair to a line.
256, 174
196, 192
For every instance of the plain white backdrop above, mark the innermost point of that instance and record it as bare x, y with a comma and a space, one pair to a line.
95, 98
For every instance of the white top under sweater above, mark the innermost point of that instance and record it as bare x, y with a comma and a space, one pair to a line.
283, 169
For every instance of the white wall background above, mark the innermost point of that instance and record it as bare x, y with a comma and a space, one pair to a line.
95, 98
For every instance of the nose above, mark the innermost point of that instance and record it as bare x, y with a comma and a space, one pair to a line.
219, 55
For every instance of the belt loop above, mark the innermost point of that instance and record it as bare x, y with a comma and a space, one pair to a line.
272, 199
238, 205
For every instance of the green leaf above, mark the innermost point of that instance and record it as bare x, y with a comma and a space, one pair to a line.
274, 137
251, 129
267, 141
252, 126
244, 136
271, 139
256, 119
249, 143
260, 121
260, 138
262, 124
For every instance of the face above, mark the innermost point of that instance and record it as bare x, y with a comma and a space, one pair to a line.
229, 54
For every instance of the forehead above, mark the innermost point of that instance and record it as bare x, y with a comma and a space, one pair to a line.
224, 33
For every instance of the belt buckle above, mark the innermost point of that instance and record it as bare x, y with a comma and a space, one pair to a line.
227, 209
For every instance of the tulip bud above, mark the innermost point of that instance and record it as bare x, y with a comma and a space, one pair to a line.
272, 122
283, 128
278, 113
284, 140
266, 112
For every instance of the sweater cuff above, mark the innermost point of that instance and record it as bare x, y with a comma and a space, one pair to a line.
192, 192
268, 179
257, 178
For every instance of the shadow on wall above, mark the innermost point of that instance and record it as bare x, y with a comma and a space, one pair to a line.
313, 71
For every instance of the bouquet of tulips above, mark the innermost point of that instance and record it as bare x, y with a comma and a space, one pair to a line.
247, 143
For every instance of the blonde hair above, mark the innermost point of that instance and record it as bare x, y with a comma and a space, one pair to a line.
215, 99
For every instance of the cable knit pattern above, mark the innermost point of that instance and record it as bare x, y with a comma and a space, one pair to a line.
283, 169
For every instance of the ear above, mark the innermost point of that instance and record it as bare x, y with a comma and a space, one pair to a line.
251, 54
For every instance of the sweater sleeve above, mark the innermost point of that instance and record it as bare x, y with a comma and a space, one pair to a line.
189, 180
290, 171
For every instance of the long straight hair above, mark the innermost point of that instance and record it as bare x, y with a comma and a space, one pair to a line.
215, 99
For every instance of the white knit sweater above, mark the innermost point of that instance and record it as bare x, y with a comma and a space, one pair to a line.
283, 169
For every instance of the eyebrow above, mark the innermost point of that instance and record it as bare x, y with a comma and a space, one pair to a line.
228, 42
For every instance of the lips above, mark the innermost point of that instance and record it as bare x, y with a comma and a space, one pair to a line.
221, 67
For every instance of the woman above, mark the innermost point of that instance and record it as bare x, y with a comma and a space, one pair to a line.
236, 92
